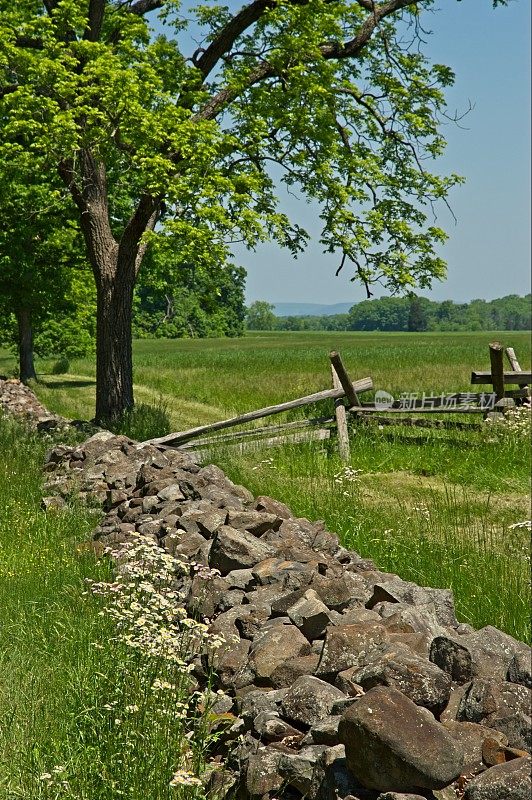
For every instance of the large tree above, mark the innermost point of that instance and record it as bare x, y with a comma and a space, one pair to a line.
333, 97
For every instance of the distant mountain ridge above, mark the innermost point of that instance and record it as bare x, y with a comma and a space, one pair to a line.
311, 309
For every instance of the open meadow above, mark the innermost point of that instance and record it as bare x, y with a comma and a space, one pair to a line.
440, 507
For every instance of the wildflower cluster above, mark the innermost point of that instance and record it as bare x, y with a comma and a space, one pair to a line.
156, 696
517, 541
146, 605
266, 462
516, 424
55, 781
421, 510
346, 479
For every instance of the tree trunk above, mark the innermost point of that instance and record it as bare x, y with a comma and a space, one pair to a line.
25, 345
114, 361
115, 265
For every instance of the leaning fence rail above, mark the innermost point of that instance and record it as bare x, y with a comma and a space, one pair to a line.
347, 403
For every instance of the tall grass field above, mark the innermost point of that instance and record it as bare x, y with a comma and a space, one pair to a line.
92, 707
442, 507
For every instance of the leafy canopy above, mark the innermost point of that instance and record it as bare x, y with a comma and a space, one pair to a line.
333, 98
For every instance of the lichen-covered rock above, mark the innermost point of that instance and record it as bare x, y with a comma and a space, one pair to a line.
263, 774
255, 522
288, 672
309, 700
416, 678
271, 506
350, 646
310, 615
487, 653
232, 549
273, 645
504, 706
393, 745
509, 781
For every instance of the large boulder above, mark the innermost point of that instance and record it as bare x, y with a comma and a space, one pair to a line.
232, 549
393, 745
350, 646
272, 646
510, 781
309, 700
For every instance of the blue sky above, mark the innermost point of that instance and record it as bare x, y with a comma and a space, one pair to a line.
488, 252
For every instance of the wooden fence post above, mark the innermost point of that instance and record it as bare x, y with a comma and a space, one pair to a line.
341, 421
344, 379
497, 369
516, 366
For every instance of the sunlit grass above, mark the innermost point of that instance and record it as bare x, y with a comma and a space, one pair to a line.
81, 714
474, 485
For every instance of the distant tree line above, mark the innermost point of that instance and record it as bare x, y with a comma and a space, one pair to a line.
512, 312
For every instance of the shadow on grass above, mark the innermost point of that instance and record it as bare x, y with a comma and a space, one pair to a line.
66, 384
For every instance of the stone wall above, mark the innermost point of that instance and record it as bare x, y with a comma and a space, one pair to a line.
345, 681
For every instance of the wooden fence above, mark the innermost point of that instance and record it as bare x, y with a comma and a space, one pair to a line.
345, 393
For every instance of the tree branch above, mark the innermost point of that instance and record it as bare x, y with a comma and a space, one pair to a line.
206, 60
223, 43
143, 219
68, 176
141, 7
95, 20
331, 50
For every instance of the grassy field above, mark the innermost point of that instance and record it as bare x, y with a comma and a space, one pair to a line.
77, 706
439, 507
201, 380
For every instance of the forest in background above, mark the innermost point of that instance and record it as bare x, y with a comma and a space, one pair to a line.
512, 312
210, 303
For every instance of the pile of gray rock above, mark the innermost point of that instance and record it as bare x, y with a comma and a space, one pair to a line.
343, 681
18, 400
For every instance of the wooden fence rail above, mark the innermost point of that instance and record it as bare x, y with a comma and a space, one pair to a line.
174, 439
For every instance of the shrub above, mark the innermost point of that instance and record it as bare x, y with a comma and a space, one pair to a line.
61, 366
144, 421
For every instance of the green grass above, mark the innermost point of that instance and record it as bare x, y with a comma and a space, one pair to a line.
201, 380
474, 484
79, 717
47, 627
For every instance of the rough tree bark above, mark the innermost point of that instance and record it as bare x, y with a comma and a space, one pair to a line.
114, 361
115, 264
25, 344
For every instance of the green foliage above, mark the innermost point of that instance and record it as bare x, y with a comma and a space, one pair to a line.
157, 134
179, 300
42, 268
418, 313
396, 314
330, 94
260, 316
417, 316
